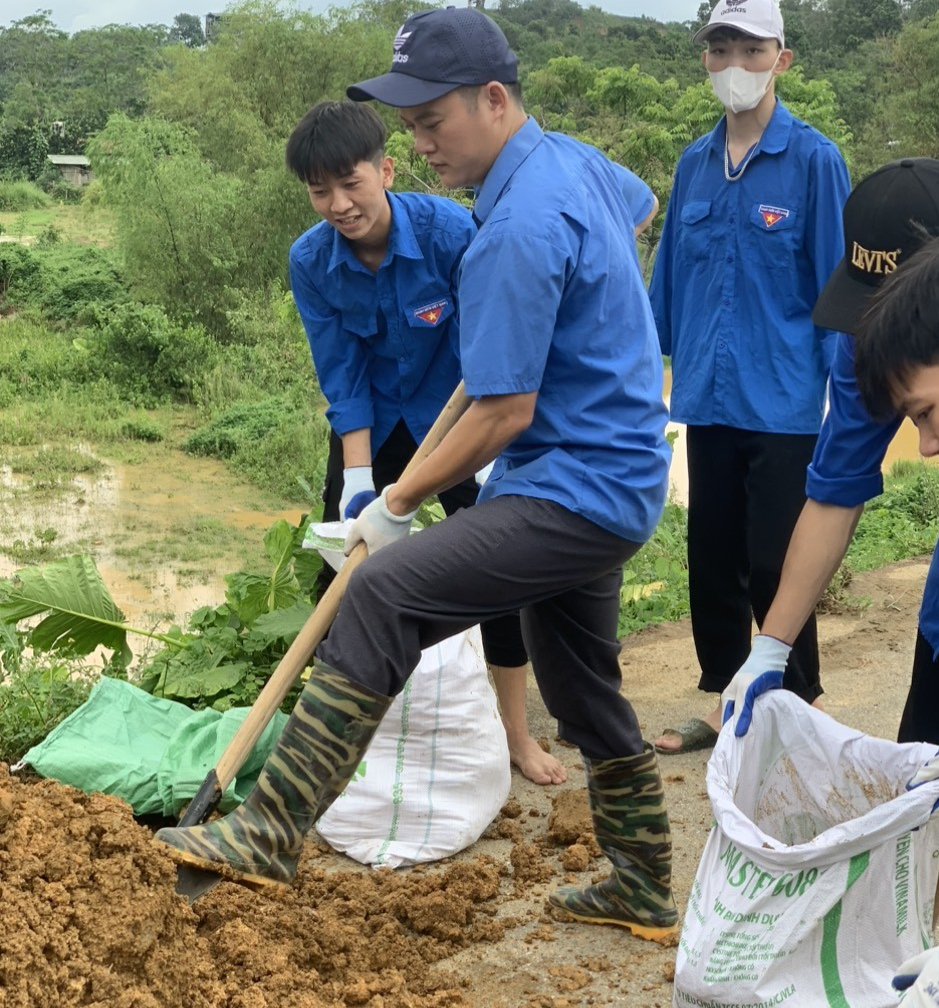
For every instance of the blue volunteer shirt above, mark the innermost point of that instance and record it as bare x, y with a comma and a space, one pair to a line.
738, 270
847, 464
552, 301
385, 345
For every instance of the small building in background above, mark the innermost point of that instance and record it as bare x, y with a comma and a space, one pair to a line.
75, 168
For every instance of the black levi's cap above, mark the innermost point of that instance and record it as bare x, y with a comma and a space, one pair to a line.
436, 52
888, 215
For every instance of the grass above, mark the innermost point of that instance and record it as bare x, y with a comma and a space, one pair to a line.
197, 538
52, 466
76, 222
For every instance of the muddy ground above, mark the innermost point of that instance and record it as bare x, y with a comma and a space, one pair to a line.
90, 917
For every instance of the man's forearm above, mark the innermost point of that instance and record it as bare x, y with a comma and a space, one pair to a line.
476, 439
357, 448
818, 545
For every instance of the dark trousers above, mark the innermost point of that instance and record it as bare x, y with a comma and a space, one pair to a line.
502, 636
746, 490
510, 553
920, 722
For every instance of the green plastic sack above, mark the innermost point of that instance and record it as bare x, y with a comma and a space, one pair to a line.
153, 753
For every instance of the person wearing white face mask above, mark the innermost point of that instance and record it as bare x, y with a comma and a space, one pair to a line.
751, 234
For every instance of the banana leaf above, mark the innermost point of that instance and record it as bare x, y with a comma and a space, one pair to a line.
80, 614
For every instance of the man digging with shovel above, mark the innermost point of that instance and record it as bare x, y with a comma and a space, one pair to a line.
560, 355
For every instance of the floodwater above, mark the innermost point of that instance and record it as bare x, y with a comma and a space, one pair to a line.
163, 531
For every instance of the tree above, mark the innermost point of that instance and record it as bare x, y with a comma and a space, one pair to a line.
178, 221
907, 96
187, 28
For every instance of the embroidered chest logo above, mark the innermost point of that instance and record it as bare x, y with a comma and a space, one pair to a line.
431, 313
772, 215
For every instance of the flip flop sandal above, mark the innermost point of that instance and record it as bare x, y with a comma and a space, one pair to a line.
695, 734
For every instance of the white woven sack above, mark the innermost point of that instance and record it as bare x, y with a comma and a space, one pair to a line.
437, 770
819, 875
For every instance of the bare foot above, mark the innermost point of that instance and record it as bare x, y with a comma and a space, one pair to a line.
537, 765
671, 741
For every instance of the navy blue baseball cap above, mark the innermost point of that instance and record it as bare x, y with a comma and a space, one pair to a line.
436, 52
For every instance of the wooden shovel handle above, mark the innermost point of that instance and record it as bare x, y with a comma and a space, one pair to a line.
314, 630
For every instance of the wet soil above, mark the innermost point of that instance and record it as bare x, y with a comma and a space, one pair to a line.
90, 917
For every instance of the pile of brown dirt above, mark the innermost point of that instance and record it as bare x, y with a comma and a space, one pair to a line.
91, 918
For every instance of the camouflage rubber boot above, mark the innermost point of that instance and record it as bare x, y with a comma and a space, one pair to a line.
631, 826
316, 755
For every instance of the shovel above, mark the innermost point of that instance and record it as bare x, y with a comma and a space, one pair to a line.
193, 882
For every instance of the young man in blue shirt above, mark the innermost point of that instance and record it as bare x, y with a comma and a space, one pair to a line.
559, 353
375, 285
886, 219
751, 235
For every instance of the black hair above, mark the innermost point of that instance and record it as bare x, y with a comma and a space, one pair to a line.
332, 138
899, 331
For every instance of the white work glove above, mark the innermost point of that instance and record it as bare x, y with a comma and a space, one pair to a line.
918, 978
358, 489
376, 526
762, 671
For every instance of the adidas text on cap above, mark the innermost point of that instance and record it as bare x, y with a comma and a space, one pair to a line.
759, 18
888, 215
436, 52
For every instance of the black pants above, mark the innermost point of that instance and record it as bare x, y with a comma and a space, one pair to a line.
502, 636
506, 554
746, 490
920, 722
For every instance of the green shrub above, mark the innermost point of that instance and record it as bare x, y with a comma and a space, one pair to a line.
36, 361
902, 522
18, 195
151, 357
34, 697
19, 269
142, 430
237, 426
60, 281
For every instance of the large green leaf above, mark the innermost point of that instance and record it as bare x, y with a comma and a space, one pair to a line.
81, 613
281, 624
250, 595
186, 682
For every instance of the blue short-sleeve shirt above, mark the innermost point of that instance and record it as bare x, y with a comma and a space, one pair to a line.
847, 464
386, 344
552, 301
738, 270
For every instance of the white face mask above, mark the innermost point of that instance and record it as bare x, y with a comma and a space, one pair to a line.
739, 90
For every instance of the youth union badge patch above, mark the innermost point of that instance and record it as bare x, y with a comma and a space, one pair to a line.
772, 215
431, 313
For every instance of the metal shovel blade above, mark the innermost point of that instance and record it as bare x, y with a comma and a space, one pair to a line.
195, 882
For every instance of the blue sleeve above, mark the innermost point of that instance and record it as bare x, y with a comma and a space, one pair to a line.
639, 197
846, 466
340, 358
660, 285
510, 290
828, 188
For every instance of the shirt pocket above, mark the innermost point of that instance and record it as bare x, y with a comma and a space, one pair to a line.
429, 313
772, 245
694, 237
364, 327
773, 235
